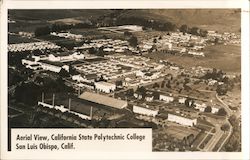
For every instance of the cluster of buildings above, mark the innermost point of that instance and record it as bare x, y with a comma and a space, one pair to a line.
226, 37
178, 117
107, 69
176, 41
20, 47
53, 62
26, 34
166, 97
132, 70
107, 45
68, 35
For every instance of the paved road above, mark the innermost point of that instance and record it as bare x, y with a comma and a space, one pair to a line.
218, 134
213, 141
204, 139
229, 113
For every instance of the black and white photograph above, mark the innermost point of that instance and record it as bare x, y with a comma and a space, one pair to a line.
176, 71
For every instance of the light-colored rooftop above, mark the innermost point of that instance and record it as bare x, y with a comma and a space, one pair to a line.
104, 100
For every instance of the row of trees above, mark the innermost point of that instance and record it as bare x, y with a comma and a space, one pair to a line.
234, 143
45, 30
29, 93
216, 74
193, 30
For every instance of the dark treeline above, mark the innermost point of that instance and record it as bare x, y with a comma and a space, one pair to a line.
29, 93
60, 27
193, 30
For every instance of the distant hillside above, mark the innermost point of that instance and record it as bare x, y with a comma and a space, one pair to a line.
210, 19
54, 14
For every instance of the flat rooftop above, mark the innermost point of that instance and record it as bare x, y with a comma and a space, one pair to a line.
104, 100
105, 83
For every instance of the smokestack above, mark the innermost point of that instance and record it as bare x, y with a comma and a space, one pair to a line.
91, 110
53, 100
79, 91
69, 103
42, 97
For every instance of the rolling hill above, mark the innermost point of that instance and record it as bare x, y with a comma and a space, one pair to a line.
210, 19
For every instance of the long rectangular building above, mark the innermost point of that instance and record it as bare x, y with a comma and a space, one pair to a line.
104, 100
182, 119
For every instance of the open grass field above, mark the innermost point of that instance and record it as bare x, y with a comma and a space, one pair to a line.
203, 144
198, 139
13, 39
226, 58
218, 144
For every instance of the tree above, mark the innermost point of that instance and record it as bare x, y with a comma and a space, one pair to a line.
216, 40
156, 85
156, 95
155, 40
133, 41
168, 85
118, 83
222, 89
41, 31
222, 112
208, 109
225, 127
163, 84
92, 50
127, 33
27, 93
73, 71
184, 28
194, 31
203, 33
187, 102
63, 73
142, 90
130, 92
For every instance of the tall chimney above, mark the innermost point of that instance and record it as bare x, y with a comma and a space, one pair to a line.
42, 97
79, 91
91, 110
69, 103
53, 100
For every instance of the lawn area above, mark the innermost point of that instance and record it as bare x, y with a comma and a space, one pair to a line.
198, 139
218, 144
225, 57
208, 138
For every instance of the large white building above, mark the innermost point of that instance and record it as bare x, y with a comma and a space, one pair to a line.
182, 100
183, 120
52, 66
104, 100
166, 97
64, 57
145, 111
105, 87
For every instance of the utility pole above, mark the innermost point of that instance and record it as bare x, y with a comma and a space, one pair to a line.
42, 97
69, 103
53, 100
